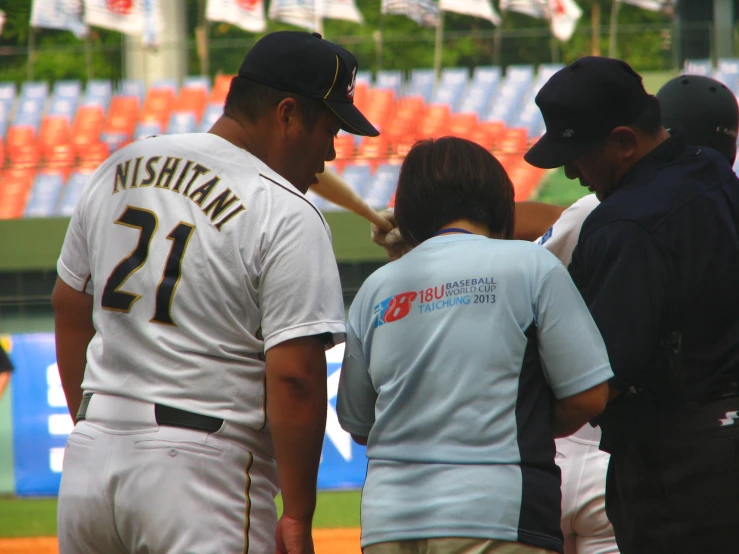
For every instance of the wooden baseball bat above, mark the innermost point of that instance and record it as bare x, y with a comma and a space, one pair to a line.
334, 189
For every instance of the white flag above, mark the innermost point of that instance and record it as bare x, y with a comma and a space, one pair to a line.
64, 15
533, 8
341, 9
131, 17
563, 15
651, 5
476, 8
301, 13
246, 14
2, 21
423, 12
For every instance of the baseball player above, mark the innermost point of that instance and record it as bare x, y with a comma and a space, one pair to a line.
197, 294
707, 112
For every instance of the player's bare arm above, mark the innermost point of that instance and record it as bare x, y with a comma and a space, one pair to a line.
334, 189
74, 331
573, 412
296, 409
533, 219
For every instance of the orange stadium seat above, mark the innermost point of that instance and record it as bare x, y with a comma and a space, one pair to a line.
24, 155
462, 124
2, 153
18, 136
54, 130
373, 151
60, 158
95, 154
191, 99
122, 115
15, 186
158, 106
221, 84
513, 140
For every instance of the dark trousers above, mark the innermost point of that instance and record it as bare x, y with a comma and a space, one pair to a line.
676, 491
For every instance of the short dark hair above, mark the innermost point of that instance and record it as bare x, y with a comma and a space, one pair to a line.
250, 100
452, 178
649, 121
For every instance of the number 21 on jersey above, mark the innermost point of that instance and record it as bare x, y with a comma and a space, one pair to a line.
146, 222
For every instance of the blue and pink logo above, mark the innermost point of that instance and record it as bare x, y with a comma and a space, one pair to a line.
394, 308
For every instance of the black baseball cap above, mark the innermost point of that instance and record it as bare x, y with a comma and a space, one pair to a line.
305, 64
583, 103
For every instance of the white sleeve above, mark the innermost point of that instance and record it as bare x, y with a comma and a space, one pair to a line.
562, 237
299, 288
73, 266
571, 349
355, 404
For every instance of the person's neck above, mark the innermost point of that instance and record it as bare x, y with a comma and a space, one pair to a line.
242, 136
646, 146
465, 225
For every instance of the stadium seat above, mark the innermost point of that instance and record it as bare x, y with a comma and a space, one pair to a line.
220, 89
122, 116
147, 129
486, 75
34, 90
93, 155
181, 122
210, 116
98, 93
698, 67
191, 99
157, 106
197, 81
132, 87
44, 194
383, 186
357, 177
71, 193
14, 188
60, 158
389, 79
421, 84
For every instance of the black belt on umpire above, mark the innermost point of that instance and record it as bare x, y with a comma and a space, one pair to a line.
171, 417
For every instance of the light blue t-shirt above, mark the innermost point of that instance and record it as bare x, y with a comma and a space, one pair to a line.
453, 355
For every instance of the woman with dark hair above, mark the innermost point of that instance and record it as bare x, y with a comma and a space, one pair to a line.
464, 359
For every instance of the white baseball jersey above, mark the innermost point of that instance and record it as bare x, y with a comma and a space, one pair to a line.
562, 237
200, 258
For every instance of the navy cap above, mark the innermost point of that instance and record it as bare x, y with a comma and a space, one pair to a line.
305, 64
583, 103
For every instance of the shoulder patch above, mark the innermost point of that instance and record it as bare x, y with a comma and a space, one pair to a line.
546, 236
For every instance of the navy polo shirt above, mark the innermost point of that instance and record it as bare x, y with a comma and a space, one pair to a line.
661, 254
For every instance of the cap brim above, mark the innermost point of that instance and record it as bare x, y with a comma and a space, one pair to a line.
352, 120
549, 154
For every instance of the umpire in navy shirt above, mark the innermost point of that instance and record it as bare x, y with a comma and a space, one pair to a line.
658, 264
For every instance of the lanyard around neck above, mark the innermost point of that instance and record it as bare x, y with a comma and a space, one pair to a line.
453, 230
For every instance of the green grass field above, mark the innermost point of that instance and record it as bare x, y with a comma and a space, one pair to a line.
37, 517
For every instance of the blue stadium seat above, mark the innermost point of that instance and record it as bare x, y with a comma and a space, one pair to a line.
44, 195
731, 80
728, 65
421, 83
147, 129
454, 75
67, 89
38, 90
212, 113
63, 106
520, 73
113, 140
364, 77
98, 93
698, 67
197, 81
486, 74
71, 193
7, 92
357, 177
476, 98
389, 78
181, 122
132, 87
165, 83
29, 112
383, 186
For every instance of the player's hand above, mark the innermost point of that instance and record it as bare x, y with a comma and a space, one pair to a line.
392, 241
293, 536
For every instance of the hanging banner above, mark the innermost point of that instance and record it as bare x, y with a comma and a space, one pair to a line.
564, 15
301, 13
63, 15
245, 14
423, 12
477, 8
130, 17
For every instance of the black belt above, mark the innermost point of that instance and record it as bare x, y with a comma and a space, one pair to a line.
171, 417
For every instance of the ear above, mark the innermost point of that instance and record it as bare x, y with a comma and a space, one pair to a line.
288, 116
626, 140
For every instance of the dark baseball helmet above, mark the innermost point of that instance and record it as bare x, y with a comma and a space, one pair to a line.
705, 108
